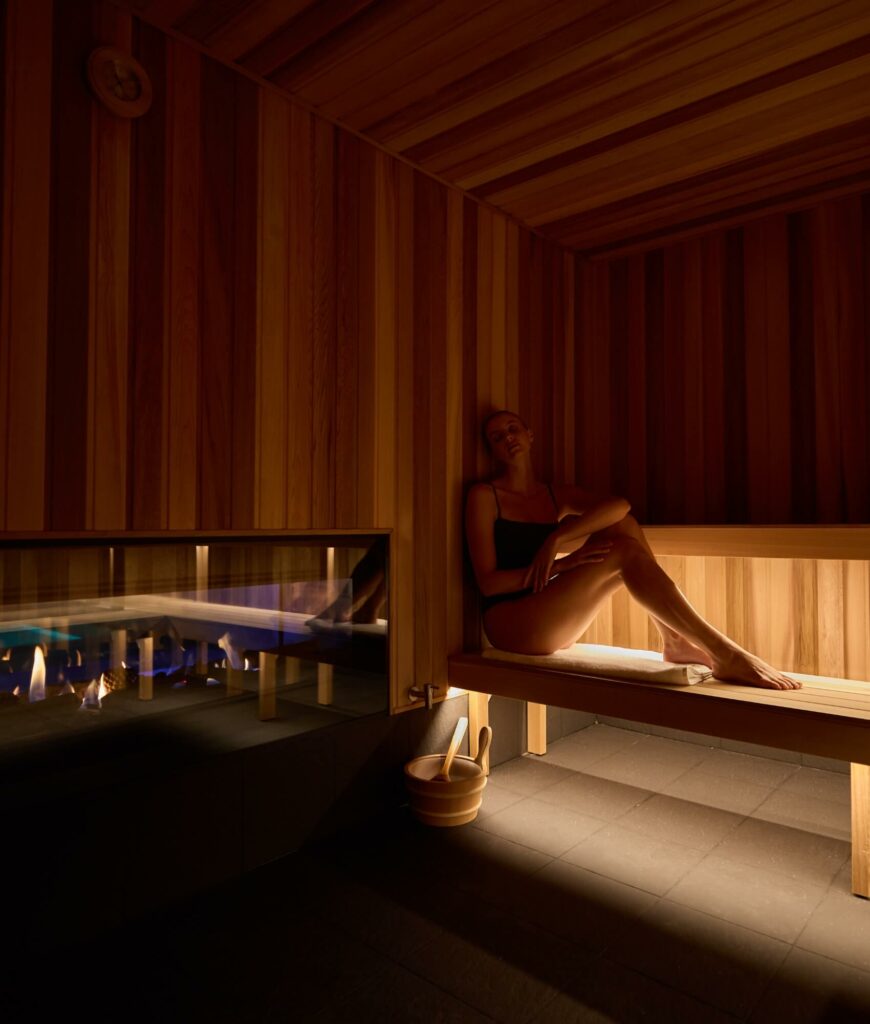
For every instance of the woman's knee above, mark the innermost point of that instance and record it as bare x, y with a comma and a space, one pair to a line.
624, 549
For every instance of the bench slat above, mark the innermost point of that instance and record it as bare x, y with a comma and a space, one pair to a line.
820, 725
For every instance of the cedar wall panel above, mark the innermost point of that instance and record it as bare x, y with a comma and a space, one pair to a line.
229, 314
738, 371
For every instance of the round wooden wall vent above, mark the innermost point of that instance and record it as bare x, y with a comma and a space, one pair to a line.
119, 81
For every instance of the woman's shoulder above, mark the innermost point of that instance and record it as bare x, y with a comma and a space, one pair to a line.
480, 487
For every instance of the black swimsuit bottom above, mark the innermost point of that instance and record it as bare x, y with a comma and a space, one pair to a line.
516, 544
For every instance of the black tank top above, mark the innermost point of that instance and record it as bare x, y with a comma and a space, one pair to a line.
516, 544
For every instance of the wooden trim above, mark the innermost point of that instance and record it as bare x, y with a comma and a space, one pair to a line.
844, 542
735, 713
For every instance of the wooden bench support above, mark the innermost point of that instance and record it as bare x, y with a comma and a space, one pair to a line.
325, 688
267, 681
536, 728
478, 716
861, 830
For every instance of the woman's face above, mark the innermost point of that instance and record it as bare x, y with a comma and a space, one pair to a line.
509, 438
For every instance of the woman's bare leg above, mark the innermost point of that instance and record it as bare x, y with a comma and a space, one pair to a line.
677, 648
544, 622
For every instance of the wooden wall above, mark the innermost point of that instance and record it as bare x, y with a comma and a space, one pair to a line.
229, 314
738, 372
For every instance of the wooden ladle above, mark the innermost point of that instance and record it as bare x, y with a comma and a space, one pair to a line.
444, 771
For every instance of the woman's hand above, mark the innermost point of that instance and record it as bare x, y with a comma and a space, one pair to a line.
541, 569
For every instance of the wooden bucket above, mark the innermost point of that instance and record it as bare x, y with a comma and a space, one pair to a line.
454, 801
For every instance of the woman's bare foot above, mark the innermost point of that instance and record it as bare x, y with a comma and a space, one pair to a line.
745, 668
681, 651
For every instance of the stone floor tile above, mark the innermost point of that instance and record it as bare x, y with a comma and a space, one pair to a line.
757, 898
526, 775
612, 993
811, 989
821, 785
653, 865
394, 994
811, 814
730, 764
589, 794
680, 821
801, 855
547, 827
633, 769
840, 929
495, 799
579, 905
714, 791
703, 956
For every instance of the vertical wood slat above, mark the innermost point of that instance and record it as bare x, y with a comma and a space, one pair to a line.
273, 274
324, 328
25, 262
403, 548
108, 306
181, 430
299, 284
147, 413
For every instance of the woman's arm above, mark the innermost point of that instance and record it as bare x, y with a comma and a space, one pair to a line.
581, 514
480, 515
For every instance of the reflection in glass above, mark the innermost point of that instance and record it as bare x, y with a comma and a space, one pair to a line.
273, 626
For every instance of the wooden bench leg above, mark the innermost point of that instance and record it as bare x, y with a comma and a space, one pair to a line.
536, 723
861, 830
325, 687
478, 717
267, 680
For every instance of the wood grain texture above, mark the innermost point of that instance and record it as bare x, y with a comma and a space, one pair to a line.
597, 122
25, 262
737, 373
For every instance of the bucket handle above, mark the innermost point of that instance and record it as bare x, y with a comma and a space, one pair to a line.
483, 744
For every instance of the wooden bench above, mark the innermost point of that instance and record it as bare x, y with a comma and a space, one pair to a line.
829, 717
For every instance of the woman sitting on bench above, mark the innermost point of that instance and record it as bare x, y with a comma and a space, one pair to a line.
535, 602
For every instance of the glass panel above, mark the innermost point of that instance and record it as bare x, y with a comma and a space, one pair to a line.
280, 628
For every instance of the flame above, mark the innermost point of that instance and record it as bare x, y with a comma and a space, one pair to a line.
94, 694
37, 677
67, 688
233, 657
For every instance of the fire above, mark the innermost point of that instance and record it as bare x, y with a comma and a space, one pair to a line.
37, 677
93, 698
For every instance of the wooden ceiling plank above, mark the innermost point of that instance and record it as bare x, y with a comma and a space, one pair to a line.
422, 73
526, 44
352, 41
632, 243
760, 122
253, 24
672, 162
162, 12
311, 24
672, 82
341, 87
208, 15
695, 207
618, 42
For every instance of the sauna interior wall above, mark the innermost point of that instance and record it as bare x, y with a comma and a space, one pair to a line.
229, 314
739, 387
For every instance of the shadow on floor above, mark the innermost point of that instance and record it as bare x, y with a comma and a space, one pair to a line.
396, 922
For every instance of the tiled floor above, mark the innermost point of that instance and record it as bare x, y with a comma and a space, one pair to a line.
622, 877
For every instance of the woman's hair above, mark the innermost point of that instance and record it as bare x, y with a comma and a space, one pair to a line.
491, 416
